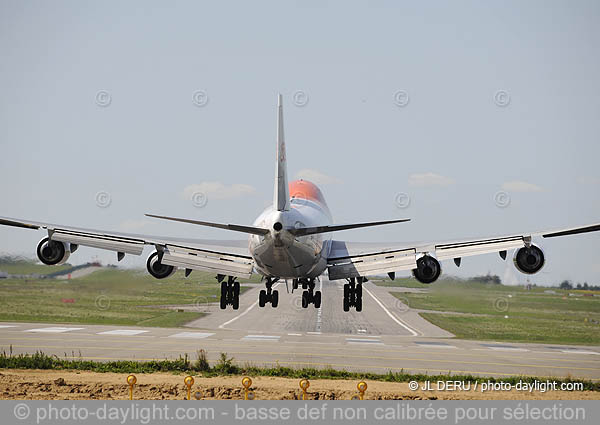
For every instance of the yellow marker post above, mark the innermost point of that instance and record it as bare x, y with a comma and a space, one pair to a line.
362, 387
131, 380
189, 381
304, 384
247, 383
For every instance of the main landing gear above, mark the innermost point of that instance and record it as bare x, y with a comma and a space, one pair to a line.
230, 292
309, 295
353, 293
268, 295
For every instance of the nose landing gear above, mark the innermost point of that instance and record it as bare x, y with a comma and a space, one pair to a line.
309, 295
269, 295
230, 292
353, 293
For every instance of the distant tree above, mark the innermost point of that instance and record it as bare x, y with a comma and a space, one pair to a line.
565, 284
579, 286
487, 279
585, 285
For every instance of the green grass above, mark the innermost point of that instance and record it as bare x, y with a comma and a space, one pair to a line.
108, 296
24, 266
226, 366
533, 316
400, 282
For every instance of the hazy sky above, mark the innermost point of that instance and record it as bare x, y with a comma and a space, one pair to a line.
447, 102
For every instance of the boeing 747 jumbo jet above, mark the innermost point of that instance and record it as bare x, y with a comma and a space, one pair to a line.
291, 240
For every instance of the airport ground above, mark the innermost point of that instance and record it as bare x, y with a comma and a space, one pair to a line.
389, 335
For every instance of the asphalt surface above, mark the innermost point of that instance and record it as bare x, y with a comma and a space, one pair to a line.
385, 336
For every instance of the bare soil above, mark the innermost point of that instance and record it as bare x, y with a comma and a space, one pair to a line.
75, 385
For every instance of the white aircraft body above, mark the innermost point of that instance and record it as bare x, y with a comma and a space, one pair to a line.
291, 240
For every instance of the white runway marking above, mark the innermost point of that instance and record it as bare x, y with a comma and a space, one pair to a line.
508, 349
195, 335
319, 311
54, 329
313, 333
123, 332
8, 326
222, 326
364, 341
390, 314
295, 334
261, 338
580, 352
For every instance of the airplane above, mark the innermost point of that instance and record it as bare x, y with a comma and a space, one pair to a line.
290, 240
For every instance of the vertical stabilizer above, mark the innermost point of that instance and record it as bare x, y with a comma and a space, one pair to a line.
281, 200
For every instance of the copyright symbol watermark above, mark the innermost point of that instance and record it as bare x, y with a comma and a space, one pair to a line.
21, 411
102, 302
103, 199
502, 98
413, 385
402, 200
300, 98
401, 305
103, 98
199, 199
296, 303
401, 98
501, 305
200, 98
201, 304
502, 199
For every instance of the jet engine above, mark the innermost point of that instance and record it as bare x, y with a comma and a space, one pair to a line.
53, 253
157, 269
428, 269
529, 260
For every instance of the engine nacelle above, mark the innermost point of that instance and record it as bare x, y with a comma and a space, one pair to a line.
428, 269
53, 253
529, 260
157, 269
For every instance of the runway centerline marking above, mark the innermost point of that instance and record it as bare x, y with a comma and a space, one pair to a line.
54, 329
319, 311
123, 332
222, 326
390, 314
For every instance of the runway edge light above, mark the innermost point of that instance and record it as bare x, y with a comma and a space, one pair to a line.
189, 381
131, 381
247, 383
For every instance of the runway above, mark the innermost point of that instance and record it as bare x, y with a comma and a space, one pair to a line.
386, 336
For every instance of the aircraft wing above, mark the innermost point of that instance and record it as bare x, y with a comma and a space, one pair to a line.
222, 257
347, 259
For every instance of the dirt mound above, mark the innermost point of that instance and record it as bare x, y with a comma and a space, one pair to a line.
75, 385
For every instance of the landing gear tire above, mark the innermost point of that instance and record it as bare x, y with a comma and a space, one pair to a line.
262, 298
223, 301
230, 294
309, 296
268, 295
305, 299
317, 300
353, 294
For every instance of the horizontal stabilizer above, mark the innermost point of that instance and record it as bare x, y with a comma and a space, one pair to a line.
303, 231
235, 227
